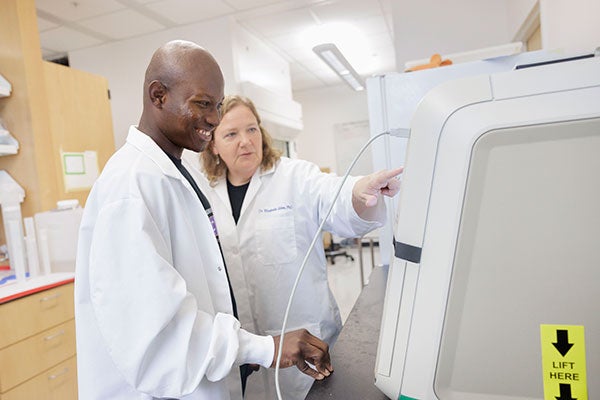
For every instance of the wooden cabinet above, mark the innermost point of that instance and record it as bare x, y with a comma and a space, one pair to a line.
52, 109
80, 120
37, 346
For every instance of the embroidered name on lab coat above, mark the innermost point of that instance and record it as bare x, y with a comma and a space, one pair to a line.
270, 210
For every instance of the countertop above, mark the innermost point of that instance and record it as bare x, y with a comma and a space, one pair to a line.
14, 290
353, 356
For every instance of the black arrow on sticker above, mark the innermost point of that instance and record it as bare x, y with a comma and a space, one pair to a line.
565, 392
562, 342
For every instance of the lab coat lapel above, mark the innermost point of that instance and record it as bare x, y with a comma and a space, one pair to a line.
147, 146
221, 190
255, 184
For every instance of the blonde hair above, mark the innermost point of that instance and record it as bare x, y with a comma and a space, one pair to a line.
211, 163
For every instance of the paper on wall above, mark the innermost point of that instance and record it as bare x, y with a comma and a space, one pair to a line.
80, 169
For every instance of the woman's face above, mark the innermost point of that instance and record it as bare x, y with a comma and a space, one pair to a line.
238, 142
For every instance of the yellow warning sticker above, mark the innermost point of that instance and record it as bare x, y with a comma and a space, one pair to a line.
563, 362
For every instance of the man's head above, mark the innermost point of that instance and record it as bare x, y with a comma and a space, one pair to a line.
183, 92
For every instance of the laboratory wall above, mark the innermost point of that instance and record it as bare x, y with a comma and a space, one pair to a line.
430, 26
255, 62
519, 12
322, 110
123, 63
570, 24
426, 27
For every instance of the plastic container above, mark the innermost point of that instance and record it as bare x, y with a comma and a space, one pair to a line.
31, 246
11, 197
57, 232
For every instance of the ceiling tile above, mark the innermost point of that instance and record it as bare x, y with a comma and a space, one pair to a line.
331, 79
280, 23
319, 69
306, 78
296, 68
44, 24
64, 39
300, 84
123, 24
372, 25
309, 58
304, 55
290, 42
381, 41
50, 54
250, 4
75, 10
312, 62
288, 22
347, 10
188, 11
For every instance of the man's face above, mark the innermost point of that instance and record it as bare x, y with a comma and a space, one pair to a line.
191, 110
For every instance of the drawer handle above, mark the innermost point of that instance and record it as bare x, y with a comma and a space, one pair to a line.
58, 374
51, 297
50, 337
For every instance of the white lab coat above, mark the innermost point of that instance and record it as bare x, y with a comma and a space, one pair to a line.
152, 303
281, 212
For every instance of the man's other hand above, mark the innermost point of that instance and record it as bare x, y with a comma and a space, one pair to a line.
300, 347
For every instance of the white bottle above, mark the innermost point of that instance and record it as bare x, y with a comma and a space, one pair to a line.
16, 252
11, 197
33, 260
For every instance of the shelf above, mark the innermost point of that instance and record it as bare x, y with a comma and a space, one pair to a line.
8, 144
5, 87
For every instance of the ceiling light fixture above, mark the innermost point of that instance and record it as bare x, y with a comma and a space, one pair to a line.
332, 56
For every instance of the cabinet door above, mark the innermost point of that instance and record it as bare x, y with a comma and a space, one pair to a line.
57, 383
35, 313
80, 120
36, 354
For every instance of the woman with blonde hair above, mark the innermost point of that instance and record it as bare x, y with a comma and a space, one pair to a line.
267, 210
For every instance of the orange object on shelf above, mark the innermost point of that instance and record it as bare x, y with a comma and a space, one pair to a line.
434, 62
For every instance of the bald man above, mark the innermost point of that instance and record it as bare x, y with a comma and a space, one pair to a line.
154, 311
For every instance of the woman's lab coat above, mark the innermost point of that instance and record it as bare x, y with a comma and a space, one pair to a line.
152, 303
281, 212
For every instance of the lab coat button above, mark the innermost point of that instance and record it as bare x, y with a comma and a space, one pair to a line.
219, 269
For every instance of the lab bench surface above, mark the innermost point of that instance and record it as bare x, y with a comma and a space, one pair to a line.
353, 356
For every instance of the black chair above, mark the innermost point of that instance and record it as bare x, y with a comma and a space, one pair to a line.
333, 250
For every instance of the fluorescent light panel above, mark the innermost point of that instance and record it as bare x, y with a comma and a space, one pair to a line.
332, 56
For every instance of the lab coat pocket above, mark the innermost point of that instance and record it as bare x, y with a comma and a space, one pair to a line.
276, 238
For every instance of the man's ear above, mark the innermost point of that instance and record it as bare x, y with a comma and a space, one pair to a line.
157, 92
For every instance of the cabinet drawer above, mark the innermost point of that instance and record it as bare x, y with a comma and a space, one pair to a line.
57, 383
31, 356
29, 315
